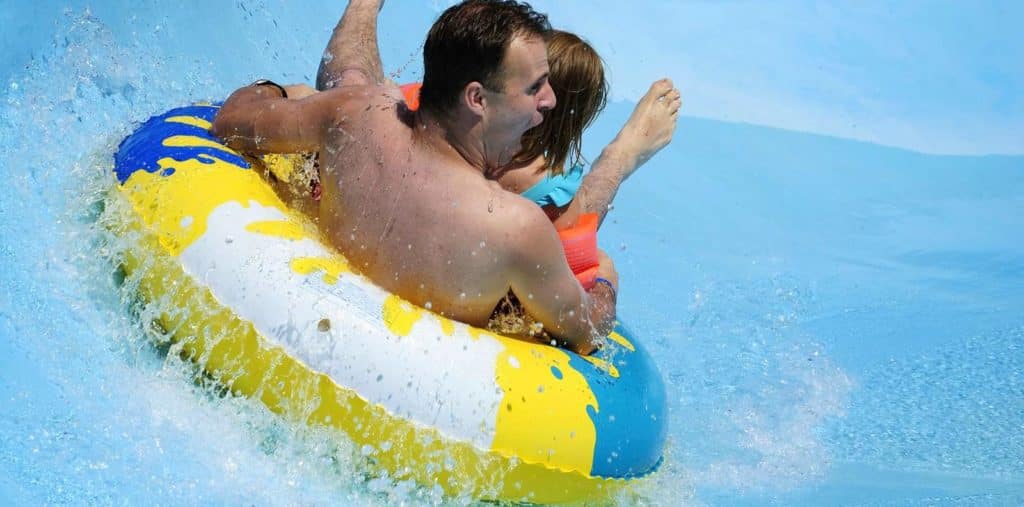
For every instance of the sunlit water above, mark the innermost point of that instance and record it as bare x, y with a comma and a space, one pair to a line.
837, 322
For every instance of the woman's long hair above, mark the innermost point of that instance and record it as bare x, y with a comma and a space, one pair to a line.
577, 78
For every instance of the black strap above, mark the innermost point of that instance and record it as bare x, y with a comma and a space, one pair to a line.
267, 82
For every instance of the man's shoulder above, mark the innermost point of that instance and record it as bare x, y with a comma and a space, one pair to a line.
371, 110
519, 220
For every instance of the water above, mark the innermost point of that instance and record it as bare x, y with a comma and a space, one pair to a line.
838, 322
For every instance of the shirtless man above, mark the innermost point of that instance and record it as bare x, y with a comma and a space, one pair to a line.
405, 195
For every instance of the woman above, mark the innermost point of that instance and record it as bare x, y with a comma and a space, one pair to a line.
549, 170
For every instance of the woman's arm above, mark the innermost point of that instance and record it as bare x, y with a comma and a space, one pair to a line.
648, 130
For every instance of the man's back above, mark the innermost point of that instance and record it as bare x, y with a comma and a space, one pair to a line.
415, 217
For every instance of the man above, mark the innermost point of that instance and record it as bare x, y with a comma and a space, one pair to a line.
404, 195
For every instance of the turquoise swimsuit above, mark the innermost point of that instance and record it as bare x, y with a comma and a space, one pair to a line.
556, 190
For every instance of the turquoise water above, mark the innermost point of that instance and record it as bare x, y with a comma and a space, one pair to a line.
838, 322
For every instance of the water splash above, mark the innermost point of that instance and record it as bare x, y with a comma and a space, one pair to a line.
754, 391
102, 415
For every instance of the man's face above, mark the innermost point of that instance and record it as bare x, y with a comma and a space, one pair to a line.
520, 105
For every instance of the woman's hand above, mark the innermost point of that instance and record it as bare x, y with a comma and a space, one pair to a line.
652, 124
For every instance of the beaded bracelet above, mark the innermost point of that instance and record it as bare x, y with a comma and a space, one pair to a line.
606, 282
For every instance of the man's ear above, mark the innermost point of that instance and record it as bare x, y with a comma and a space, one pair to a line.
473, 96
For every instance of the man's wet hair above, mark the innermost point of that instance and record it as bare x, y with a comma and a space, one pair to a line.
468, 43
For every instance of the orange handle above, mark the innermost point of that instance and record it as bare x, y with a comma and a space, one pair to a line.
580, 245
411, 91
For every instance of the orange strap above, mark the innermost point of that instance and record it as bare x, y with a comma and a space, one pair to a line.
411, 91
580, 245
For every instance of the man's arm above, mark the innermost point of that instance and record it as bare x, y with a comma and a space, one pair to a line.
258, 119
352, 56
548, 291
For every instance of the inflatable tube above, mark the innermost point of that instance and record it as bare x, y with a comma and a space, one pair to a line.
246, 290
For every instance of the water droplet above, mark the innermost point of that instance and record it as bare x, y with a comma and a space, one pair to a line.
427, 305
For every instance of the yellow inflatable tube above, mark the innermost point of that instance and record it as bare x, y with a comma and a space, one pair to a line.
251, 295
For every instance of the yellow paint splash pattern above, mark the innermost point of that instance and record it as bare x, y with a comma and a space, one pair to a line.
603, 365
195, 142
283, 165
332, 268
285, 229
621, 340
447, 326
543, 411
190, 120
475, 333
175, 208
400, 315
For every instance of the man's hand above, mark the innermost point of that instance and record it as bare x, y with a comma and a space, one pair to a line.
606, 269
299, 91
548, 290
603, 300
